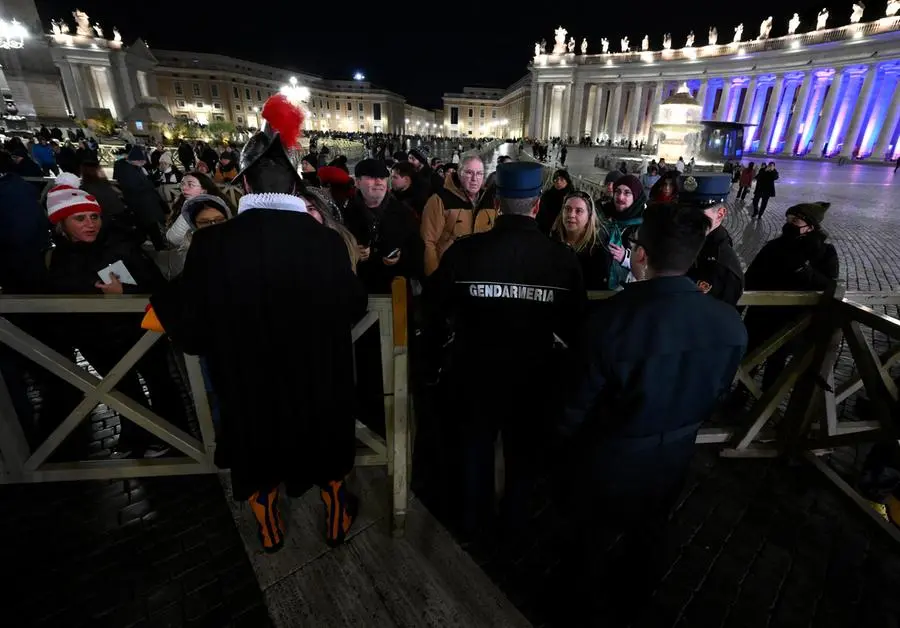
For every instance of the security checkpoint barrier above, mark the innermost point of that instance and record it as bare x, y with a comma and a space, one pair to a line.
18, 464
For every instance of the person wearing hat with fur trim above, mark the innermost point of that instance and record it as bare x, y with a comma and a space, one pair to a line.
717, 270
800, 259
507, 292
269, 299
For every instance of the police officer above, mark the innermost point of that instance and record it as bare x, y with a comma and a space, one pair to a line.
717, 270
507, 292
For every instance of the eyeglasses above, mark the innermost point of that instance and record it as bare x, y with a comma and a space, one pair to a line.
474, 174
209, 222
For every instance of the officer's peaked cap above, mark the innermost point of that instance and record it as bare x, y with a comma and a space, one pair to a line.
519, 179
703, 189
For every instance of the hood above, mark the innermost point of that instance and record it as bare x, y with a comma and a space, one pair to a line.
635, 211
191, 206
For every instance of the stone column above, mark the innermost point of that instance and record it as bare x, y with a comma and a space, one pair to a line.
790, 138
654, 107
722, 112
537, 124
598, 110
576, 126
566, 113
701, 96
748, 101
72, 85
768, 125
828, 109
532, 107
612, 120
859, 112
887, 129
634, 111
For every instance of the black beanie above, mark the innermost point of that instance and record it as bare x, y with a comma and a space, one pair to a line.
312, 159
812, 213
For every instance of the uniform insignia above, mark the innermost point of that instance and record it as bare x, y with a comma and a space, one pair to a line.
704, 286
690, 184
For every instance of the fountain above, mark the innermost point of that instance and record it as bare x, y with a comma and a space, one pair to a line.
678, 126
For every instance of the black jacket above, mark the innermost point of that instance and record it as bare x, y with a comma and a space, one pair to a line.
653, 360
390, 226
507, 291
717, 269
269, 299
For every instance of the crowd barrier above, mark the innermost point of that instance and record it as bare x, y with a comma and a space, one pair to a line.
18, 464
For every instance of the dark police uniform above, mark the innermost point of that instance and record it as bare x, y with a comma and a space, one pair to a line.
717, 270
507, 292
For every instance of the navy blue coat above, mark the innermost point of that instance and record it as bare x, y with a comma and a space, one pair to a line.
655, 359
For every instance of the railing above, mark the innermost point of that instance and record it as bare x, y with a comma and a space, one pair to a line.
798, 415
18, 464
581, 183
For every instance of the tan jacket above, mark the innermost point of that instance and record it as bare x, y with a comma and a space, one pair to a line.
449, 214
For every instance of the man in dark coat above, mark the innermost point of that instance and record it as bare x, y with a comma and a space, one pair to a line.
656, 357
765, 189
141, 196
717, 270
507, 291
269, 299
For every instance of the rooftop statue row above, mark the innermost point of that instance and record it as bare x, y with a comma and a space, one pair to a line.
83, 27
765, 28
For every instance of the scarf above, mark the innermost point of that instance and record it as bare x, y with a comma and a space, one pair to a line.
272, 200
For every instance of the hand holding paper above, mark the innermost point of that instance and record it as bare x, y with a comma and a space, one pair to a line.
117, 268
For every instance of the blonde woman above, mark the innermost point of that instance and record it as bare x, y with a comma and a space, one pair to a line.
579, 226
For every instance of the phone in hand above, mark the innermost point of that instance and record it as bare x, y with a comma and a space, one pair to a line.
393, 254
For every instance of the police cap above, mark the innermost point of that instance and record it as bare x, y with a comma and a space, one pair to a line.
703, 189
519, 179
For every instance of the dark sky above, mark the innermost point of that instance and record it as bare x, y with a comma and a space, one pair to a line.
411, 47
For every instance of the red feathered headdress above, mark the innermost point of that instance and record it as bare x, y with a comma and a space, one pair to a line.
284, 117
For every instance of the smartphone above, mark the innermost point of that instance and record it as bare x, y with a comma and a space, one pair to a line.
392, 254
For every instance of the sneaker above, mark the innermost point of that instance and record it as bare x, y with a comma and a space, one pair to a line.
156, 451
341, 507
119, 454
270, 526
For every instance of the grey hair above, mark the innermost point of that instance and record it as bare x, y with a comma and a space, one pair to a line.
465, 160
518, 206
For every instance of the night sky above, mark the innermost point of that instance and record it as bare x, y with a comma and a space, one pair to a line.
410, 48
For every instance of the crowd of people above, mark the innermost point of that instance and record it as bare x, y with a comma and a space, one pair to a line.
267, 291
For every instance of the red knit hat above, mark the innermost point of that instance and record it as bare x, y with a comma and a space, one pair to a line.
332, 175
64, 201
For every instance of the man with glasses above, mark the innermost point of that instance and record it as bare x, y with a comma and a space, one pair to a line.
507, 291
655, 358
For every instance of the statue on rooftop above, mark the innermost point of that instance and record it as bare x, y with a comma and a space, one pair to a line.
624, 44
713, 35
765, 28
56, 27
82, 23
667, 41
822, 19
117, 36
98, 29
584, 46
571, 45
893, 7
793, 24
543, 46
856, 15
689, 42
738, 33
537, 49
645, 43
604, 44
559, 47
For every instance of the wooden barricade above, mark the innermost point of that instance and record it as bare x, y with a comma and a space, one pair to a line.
18, 464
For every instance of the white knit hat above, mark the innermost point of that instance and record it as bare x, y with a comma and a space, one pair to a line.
67, 178
64, 201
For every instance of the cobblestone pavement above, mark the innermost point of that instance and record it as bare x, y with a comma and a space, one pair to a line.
753, 543
137, 553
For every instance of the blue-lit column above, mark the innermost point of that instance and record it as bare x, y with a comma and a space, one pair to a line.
722, 112
701, 96
823, 127
768, 125
790, 139
886, 138
859, 112
881, 101
746, 113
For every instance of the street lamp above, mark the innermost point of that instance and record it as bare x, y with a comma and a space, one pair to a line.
12, 35
295, 92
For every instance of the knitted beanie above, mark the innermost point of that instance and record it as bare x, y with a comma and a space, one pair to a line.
64, 201
421, 154
812, 213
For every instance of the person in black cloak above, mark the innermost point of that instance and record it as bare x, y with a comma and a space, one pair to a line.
269, 299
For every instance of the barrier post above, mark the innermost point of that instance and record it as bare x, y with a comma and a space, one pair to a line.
398, 446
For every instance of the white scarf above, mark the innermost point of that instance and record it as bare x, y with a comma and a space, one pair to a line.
272, 200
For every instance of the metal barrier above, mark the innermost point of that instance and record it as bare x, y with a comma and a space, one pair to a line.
809, 426
20, 465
